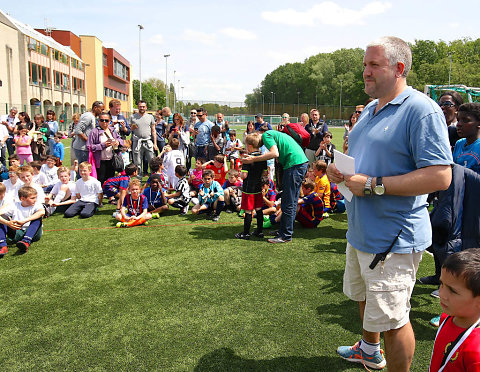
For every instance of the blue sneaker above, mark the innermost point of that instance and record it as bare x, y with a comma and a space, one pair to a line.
356, 355
435, 321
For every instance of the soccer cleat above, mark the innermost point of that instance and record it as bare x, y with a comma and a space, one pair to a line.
3, 251
356, 355
155, 215
216, 217
241, 213
145, 223
278, 240
325, 215
258, 234
121, 224
184, 210
435, 321
242, 235
23, 246
435, 294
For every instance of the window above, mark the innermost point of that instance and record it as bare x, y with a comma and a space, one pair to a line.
58, 79
66, 82
45, 76
105, 60
56, 55
33, 73
119, 69
45, 50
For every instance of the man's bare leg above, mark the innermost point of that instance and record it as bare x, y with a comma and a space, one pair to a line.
399, 348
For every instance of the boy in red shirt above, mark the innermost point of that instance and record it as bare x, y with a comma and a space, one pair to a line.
219, 167
457, 342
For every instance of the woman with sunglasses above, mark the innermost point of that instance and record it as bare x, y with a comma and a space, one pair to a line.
449, 102
285, 121
102, 141
177, 130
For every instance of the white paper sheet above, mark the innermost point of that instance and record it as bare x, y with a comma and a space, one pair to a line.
346, 165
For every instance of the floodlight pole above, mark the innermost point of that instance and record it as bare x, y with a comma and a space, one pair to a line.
140, 28
166, 79
450, 70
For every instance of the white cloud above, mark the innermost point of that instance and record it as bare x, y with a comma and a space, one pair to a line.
238, 33
199, 37
156, 39
327, 13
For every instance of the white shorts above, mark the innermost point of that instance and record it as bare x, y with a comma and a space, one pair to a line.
386, 289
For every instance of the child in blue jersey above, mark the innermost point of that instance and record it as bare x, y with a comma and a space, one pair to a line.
157, 202
180, 198
210, 195
58, 148
310, 207
232, 188
115, 188
135, 207
467, 149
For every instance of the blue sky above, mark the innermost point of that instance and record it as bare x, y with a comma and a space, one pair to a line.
221, 50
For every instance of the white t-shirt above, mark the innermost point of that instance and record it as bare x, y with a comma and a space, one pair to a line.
40, 192
71, 186
17, 212
11, 193
40, 179
89, 190
3, 133
50, 173
170, 161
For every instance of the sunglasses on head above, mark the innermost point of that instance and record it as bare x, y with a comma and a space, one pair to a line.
447, 104
104, 120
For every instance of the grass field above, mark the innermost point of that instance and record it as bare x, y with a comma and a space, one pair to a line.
181, 294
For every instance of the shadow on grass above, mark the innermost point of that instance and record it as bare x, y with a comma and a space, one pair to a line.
224, 359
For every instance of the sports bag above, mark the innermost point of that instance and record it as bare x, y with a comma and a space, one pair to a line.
298, 133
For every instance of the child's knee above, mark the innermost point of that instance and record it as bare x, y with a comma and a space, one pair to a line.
221, 198
148, 216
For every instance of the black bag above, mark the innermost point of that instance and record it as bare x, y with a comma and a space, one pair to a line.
117, 162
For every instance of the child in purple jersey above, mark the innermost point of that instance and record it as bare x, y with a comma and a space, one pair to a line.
310, 207
115, 188
135, 207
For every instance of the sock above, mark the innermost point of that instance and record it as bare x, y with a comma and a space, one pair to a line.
220, 206
59, 197
247, 222
369, 348
140, 221
259, 220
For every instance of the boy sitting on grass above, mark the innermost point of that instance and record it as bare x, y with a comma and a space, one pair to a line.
135, 207
252, 196
63, 193
172, 158
180, 198
210, 196
13, 184
310, 207
38, 177
25, 173
218, 166
232, 187
157, 202
457, 342
50, 171
322, 185
21, 221
89, 194
115, 188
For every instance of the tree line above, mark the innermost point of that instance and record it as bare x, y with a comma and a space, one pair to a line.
320, 78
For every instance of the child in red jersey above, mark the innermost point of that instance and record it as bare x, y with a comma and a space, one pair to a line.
457, 342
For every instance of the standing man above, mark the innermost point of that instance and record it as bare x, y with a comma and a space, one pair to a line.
222, 124
259, 122
119, 121
317, 130
10, 121
142, 125
294, 162
401, 152
202, 131
190, 124
87, 122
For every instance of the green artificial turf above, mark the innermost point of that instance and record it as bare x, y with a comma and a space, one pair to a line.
181, 294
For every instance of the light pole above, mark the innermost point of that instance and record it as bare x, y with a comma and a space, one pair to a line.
166, 78
263, 103
271, 107
174, 91
140, 28
341, 81
176, 87
450, 70
298, 103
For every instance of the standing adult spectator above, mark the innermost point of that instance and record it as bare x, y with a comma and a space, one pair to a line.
24, 118
317, 130
450, 101
259, 122
202, 131
53, 129
142, 125
191, 147
85, 125
304, 119
102, 141
224, 129
401, 154
284, 122
119, 121
167, 116
180, 132
10, 122
71, 134
294, 163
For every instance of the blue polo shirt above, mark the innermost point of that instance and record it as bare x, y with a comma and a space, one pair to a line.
406, 134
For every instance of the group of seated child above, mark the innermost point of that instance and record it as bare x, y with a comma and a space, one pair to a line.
41, 188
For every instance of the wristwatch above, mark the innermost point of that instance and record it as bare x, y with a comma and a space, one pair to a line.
367, 189
379, 189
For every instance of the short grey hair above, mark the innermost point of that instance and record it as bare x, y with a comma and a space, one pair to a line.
13, 109
396, 50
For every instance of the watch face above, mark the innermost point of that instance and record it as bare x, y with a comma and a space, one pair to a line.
379, 190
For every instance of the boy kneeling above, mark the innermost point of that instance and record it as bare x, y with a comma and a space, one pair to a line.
21, 221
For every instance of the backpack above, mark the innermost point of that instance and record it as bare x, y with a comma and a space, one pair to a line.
298, 133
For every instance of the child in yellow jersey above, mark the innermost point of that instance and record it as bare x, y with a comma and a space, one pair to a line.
322, 185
